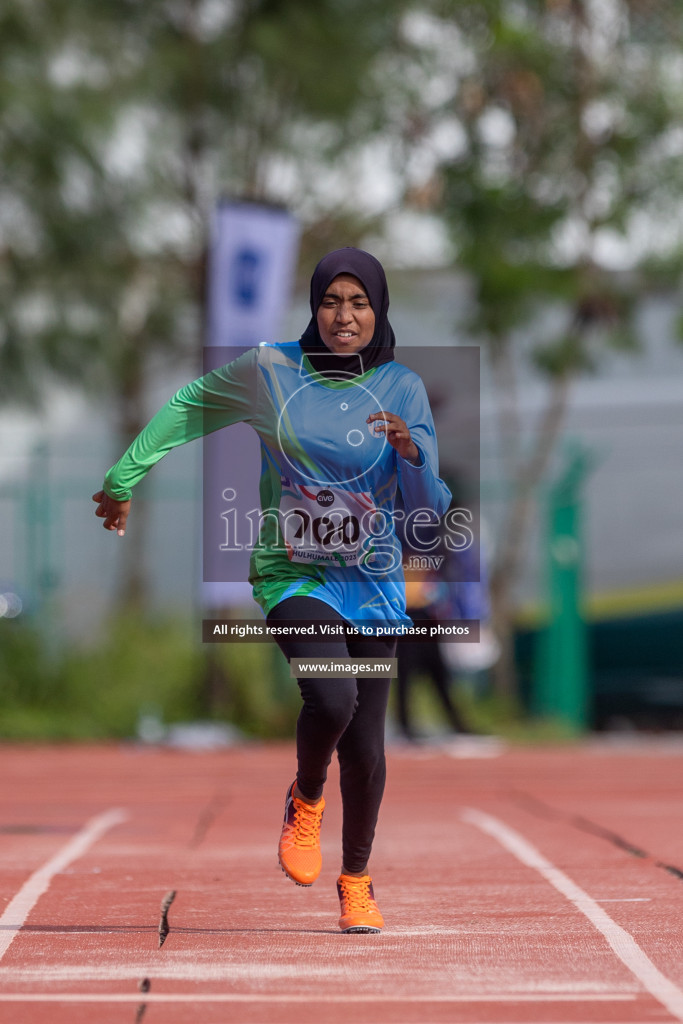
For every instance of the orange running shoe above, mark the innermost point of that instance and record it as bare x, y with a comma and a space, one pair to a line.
299, 849
359, 911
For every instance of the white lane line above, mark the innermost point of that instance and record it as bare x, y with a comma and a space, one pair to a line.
623, 944
18, 909
283, 997
238, 975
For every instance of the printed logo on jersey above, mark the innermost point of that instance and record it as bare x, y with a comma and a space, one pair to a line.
325, 498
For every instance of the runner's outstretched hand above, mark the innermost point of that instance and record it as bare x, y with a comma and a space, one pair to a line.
397, 433
114, 513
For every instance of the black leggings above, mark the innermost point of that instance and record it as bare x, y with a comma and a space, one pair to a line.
344, 714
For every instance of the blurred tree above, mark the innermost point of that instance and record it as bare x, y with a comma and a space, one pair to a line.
547, 134
120, 124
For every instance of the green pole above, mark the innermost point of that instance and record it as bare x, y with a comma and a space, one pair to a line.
561, 686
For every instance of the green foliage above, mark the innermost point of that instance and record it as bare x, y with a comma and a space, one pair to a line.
137, 667
318, 51
564, 355
487, 713
122, 121
554, 159
120, 124
566, 115
100, 692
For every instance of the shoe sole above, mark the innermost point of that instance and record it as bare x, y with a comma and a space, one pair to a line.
304, 885
361, 930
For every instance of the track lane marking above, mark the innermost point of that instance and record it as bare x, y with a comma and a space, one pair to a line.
255, 997
20, 906
237, 976
622, 943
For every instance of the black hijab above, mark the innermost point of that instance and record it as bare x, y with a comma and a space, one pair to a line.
380, 349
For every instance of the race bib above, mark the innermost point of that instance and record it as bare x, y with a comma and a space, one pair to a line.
327, 525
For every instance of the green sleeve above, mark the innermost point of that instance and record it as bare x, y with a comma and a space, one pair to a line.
222, 397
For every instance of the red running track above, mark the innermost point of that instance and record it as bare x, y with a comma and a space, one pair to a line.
541, 885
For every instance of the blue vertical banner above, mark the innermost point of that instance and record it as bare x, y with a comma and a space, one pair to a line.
252, 260
251, 270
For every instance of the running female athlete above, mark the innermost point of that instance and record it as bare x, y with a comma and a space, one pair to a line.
342, 428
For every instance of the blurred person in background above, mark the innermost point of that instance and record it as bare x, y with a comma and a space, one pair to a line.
458, 590
343, 427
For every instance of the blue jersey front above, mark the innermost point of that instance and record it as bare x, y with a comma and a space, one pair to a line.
338, 478
329, 479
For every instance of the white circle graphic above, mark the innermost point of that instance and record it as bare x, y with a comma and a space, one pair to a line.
353, 437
